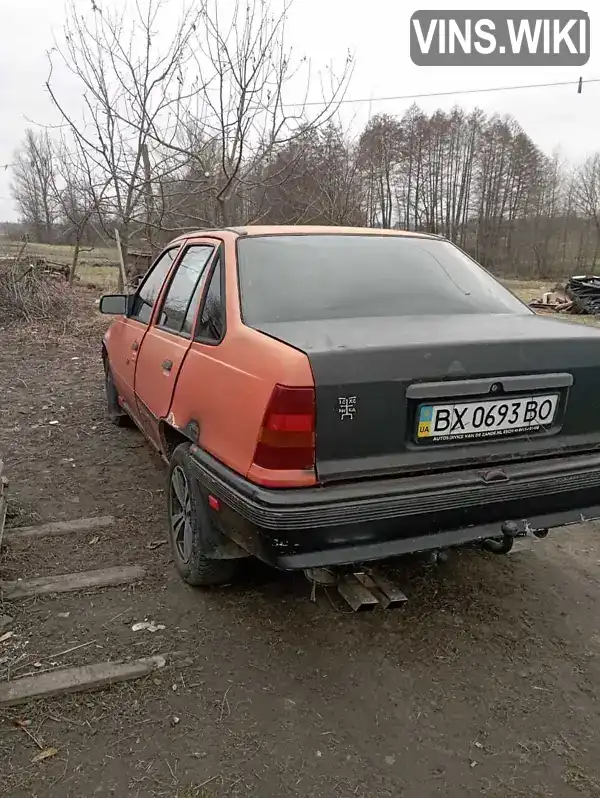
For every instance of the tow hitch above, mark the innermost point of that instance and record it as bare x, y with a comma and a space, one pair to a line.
510, 532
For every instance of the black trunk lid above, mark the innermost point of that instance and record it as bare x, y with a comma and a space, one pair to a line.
372, 376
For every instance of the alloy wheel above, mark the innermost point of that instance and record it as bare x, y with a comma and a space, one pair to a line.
180, 509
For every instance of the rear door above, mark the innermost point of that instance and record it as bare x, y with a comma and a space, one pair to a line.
168, 338
127, 335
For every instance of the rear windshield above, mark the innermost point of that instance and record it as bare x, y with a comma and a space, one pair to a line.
315, 277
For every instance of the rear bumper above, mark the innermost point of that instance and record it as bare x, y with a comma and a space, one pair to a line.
372, 520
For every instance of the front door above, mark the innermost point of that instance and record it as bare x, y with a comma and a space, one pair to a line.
169, 337
123, 346
126, 337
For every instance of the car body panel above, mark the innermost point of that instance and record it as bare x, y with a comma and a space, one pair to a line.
367, 520
374, 364
122, 342
231, 234
224, 389
154, 382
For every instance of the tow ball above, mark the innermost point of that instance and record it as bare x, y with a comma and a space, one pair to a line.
510, 531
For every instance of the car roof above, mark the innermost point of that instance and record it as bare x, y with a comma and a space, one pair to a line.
297, 229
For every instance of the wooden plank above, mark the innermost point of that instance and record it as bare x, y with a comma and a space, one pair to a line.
60, 527
3, 499
64, 583
75, 680
3, 508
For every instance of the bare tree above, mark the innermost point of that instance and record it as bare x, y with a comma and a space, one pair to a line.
79, 192
236, 116
381, 154
129, 86
312, 180
31, 187
587, 194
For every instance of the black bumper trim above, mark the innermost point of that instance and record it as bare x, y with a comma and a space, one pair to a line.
384, 550
387, 499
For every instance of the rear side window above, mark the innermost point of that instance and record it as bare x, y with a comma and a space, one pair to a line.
212, 319
177, 312
150, 288
315, 277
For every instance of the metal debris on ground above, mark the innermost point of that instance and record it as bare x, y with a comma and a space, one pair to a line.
585, 292
45, 754
150, 626
579, 295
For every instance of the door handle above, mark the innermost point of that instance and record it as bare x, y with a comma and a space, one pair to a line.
167, 365
135, 346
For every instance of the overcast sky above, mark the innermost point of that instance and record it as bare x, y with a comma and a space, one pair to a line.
376, 31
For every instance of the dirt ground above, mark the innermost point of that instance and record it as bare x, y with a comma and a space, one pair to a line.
485, 683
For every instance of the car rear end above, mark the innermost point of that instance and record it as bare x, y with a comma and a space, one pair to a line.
442, 410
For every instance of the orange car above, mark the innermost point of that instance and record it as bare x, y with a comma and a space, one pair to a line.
332, 396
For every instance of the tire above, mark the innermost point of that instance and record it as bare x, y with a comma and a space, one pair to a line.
115, 412
190, 527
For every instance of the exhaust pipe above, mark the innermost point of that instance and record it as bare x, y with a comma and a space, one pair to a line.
387, 594
361, 590
357, 595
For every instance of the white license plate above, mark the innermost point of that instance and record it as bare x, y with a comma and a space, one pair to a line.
487, 418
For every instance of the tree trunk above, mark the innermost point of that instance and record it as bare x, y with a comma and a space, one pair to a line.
75, 258
224, 209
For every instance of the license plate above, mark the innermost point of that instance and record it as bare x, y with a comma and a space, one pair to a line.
486, 419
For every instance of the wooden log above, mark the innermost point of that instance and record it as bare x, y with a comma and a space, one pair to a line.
65, 583
56, 528
3, 509
75, 680
3, 500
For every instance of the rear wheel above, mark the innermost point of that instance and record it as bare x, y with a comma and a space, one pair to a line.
190, 529
116, 413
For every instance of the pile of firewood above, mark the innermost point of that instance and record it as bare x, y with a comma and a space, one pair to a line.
579, 295
30, 291
43, 265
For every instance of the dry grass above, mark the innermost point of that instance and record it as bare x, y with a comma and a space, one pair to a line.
97, 268
61, 253
104, 278
528, 289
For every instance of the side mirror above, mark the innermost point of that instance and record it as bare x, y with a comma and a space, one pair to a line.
114, 304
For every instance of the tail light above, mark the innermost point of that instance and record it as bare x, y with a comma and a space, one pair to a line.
287, 436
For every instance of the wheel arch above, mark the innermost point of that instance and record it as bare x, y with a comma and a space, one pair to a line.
172, 436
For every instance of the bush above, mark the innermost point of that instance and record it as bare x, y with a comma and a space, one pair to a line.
28, 293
